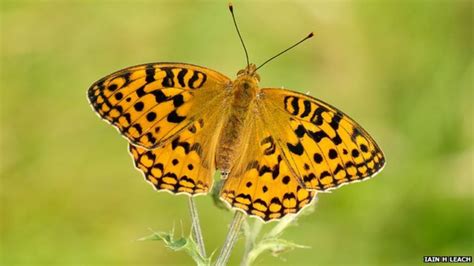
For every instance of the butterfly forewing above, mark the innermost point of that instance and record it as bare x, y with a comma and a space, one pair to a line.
150, 104
324, 147
170, 113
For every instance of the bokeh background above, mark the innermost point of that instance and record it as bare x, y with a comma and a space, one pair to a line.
404, 69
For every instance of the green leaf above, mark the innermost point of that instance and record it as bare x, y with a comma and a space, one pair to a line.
275, 245
185, 244
271, 241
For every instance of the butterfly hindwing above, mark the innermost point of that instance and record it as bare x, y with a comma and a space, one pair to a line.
261, 182
186, 163
325, 147
150, 104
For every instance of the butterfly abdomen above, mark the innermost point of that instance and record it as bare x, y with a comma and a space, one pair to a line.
244, 91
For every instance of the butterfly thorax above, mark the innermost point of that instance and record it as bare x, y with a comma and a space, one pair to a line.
244, 92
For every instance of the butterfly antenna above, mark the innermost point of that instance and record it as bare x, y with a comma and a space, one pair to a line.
286, 50
231, 8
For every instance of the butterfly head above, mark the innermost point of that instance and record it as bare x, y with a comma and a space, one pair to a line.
246, 85
250, 73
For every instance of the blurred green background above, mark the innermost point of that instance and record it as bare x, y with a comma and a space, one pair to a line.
403, 69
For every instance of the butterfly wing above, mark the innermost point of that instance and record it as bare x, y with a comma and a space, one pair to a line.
151, 104
186, 163
261, 182
297, 144
323, 146
170, 113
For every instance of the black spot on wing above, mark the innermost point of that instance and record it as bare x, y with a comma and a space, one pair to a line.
338, 169
294, 104
296, 149
127, 117
187, 179
293, 101
150, 137
335, 121
118, 96
307, 108
185, 145
324, 174
271, 148
181, 75
317, 135
168, 80
263, 170
150, 73
337, 140
195, 77
355, 153
159, 96
139, 106
356, 132
141, 91
178, 100
317, 117
138, 128
276, 171
318, 158
289, 195
332, 154
112, 87
364, 148
150, 116
173, 117
300, 131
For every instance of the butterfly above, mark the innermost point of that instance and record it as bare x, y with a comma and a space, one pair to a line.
275, 148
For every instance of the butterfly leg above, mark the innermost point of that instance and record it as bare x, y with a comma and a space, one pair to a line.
216, 190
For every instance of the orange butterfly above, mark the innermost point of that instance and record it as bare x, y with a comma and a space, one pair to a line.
275, 147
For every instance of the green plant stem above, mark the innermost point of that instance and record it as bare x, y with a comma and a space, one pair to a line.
196, 227
251, 235
232, 235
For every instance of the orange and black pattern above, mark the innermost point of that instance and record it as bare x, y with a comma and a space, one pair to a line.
293, 145
151, 103
178, 166
325, 147
263, 184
